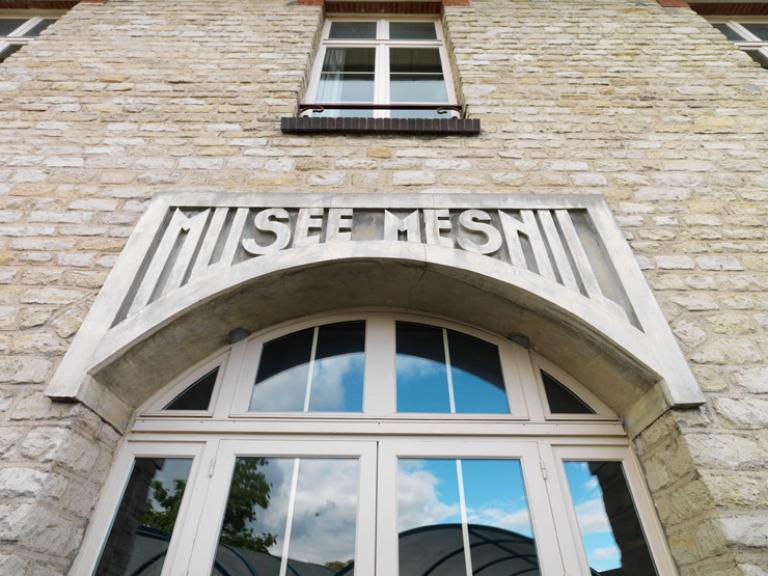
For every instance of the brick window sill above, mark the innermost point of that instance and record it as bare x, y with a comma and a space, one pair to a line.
416, 126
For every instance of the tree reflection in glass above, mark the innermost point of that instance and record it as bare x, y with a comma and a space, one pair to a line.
319, 535
140, 534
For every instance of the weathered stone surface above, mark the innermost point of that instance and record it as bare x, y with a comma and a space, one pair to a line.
28, 482
61, 446
745, 413
23, 370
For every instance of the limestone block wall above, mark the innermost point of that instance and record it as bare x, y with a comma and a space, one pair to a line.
649, 106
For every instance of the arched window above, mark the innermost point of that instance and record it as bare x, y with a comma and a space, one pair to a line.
375, 444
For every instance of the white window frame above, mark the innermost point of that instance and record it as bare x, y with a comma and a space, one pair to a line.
379, 383
180, 545
156, 405
526, 452
28, 19
555, 455
602, 412
206, 541
749, 42
382, 44
378, 436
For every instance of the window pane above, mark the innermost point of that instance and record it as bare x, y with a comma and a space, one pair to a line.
759, 30
323, 532
254, 531
337, 382
412, 31
197, 396
729, 32
145, 519
254, 522
429, 518
498, 528
8, 25
499, 522
416, 76
353, 30
422, 378
281, 381
759, 56
415, 60
610, 530
350, 60
12, 49
478, 385
561, 400
345, 88
348, 75
417, 88
35, 31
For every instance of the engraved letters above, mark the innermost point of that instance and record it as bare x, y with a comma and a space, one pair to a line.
201, 242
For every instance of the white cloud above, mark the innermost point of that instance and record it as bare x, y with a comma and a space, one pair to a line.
592, 516
325, 512
418, 501
504, 516
607, 553
328, 380
416, 367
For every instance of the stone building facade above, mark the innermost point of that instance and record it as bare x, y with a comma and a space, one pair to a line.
645, 104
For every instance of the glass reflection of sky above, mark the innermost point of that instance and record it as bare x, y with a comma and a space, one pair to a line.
495, 495
427, 493
283, 371
337, 385
324, 513
337, 381
324, 516
422, 378
597, 535
476, 371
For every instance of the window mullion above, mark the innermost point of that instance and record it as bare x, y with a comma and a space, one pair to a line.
449, 375
464, 523
25, 27
311, 371
746, 35
380, 382
289, 517
379, 90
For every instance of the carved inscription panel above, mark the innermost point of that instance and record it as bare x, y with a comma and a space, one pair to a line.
561, 245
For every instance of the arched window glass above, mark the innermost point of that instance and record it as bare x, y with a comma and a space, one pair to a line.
197, 396
314, 370
561, 400
445, 371
375, 444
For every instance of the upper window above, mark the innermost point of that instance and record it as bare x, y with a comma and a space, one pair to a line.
750, 35
19, 27
381, 69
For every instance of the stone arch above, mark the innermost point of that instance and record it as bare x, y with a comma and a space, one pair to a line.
161, 308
